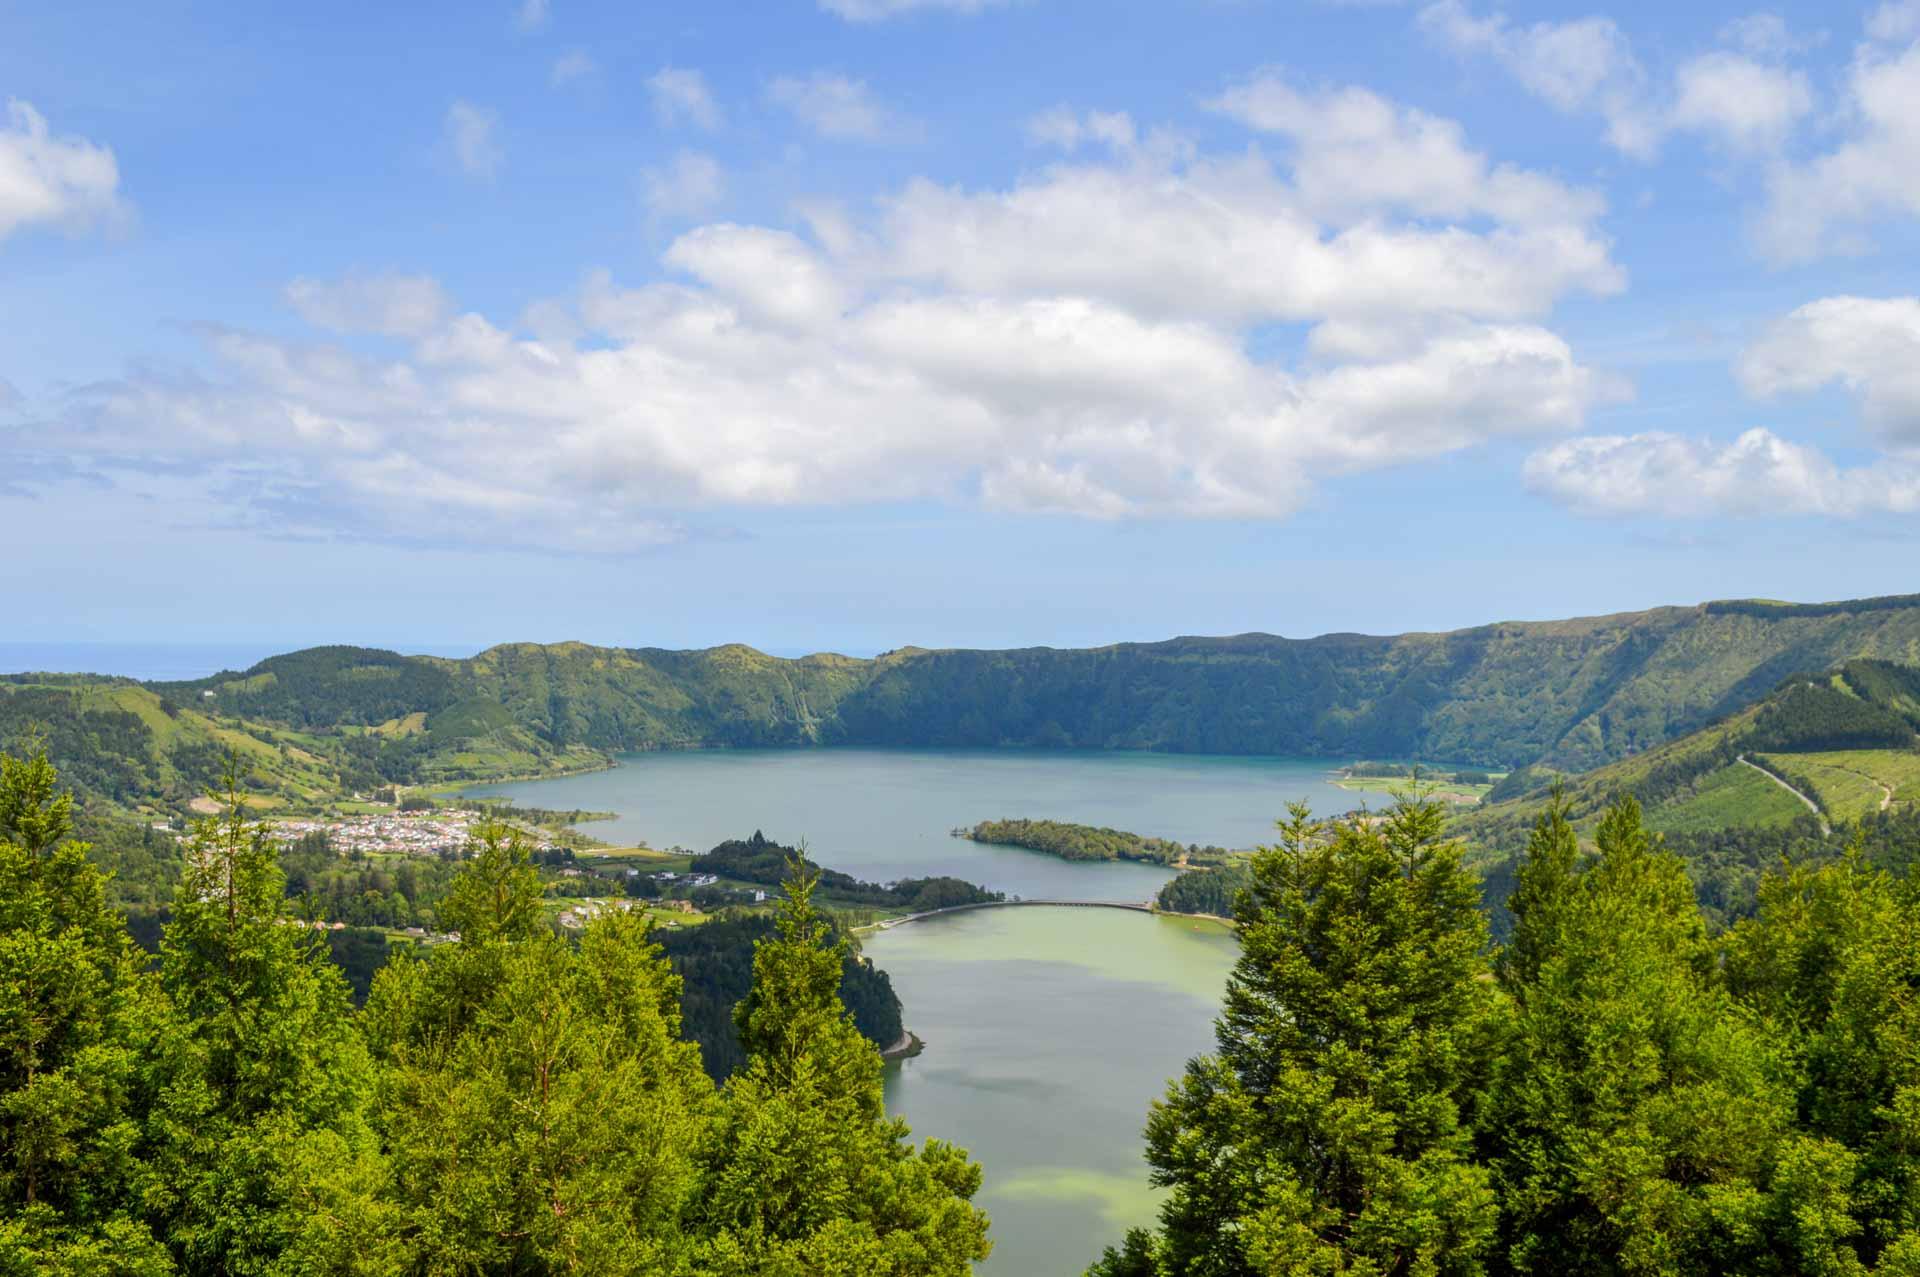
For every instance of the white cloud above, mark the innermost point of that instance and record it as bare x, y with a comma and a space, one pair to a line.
1354, 149
1078, 342
680, 95
1747, 105
837, 107
688, 187
1895, 22
879, 10
1229, 239
390, 305
572, 66
1827, 204
472, 135
532, 15
1757, 475
1585, 66
56, 181
1869, 346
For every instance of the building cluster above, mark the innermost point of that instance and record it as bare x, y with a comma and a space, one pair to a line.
401, 833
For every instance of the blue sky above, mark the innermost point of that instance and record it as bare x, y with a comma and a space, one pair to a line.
856, 323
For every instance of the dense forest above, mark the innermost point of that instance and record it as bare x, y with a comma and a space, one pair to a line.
715, 964
1089, 842
519, 1103
1615, 1090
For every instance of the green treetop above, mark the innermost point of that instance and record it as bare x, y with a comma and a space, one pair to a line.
1327, 1134
804, 1175
78, 1017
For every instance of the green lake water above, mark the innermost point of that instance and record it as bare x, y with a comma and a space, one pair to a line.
1048, 1030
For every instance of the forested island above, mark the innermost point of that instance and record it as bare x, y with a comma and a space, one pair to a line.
1088, 842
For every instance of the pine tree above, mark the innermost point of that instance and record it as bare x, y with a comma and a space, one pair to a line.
78, 1018
1635, 1109
1831, 964
804, 1175
1329, 1133
541, 1109
266, 1162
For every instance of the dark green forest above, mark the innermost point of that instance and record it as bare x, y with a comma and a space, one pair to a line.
517, 1103
715, 964
1615, 1090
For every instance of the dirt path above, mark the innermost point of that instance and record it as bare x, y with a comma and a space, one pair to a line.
1812, 806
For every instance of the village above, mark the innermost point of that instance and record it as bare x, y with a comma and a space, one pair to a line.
396, 833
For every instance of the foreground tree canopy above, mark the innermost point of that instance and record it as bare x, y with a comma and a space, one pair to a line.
516, 1103
1614, 1092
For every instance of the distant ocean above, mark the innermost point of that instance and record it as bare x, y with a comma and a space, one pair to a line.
160, 662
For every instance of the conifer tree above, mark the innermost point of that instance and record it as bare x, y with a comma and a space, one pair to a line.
804, 1174
541, 1110
265, 1161
1831, 964
1329, 1133
78, 1017
1635, 1109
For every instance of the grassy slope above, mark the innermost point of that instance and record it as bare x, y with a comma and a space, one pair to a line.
130, 749
1697, 783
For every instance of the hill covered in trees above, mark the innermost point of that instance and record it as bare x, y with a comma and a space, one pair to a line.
1572, 694
1565, 695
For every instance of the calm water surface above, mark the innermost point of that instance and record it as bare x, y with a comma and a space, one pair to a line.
1048, 1032
884, 814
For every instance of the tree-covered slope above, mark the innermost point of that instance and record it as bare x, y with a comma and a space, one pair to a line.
122, 746
1573, 694
1820, 749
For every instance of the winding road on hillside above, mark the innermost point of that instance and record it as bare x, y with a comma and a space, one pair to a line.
1812, 806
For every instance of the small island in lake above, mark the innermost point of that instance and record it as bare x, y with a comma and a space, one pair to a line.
1090, 842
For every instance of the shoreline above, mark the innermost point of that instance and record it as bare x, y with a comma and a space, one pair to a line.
906, 1048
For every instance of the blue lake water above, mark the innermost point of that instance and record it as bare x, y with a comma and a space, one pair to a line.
885, 814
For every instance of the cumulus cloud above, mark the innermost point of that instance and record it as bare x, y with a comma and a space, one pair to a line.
681, 95
1354, 149
473, 137
835, 106
1869, 346
1829, 203
389, 305
67, 182
1747, 105
1585, 66
1078, 342
1741, 97
533, 14
692, 184
880, 10
1757, 475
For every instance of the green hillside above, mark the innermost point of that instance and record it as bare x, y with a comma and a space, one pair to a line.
1568, 694
126, 747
